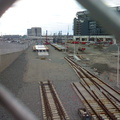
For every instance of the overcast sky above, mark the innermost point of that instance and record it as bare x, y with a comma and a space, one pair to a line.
51, 15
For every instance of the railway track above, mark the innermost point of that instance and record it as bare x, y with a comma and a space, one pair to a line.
51, 104
101, 100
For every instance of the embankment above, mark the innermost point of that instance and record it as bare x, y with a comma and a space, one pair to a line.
7, 59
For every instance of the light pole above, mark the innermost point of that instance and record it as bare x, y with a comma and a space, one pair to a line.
65, 42
118, 66
74, 49
67, 38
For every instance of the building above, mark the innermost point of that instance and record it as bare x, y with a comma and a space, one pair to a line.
34, 32
84, 25
29, 32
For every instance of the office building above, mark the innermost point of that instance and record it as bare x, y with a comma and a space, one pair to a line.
85, 25
34, 31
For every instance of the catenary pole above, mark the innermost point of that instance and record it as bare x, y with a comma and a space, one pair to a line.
118, 67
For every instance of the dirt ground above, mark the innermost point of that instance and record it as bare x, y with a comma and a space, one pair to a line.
102, 61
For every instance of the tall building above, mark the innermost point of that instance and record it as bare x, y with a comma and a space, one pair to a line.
84, 25
34, 31
29, 33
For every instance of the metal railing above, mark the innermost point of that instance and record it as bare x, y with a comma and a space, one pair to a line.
103, 14
14, 106
4, 5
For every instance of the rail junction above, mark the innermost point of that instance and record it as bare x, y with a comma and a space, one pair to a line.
99, 99
51, 104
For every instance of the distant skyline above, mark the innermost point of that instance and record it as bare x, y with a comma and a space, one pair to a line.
53, 16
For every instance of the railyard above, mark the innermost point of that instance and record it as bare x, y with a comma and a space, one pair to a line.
24, 81
92, 72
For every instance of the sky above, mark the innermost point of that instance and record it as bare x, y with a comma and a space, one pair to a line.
50, 15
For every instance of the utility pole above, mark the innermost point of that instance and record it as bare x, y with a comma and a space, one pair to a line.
61, 36
66, 38
74, 50
46, 36
118, 66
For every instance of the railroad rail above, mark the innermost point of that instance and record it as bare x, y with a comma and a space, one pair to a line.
101, 100
51, 104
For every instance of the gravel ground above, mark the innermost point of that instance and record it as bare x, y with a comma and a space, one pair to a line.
22, 78
11, 78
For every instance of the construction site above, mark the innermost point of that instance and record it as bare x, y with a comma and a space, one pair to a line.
58, 79
102, 59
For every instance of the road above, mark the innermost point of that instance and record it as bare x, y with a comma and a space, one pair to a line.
23, 76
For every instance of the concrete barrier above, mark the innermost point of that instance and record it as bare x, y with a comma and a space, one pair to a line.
7, 59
